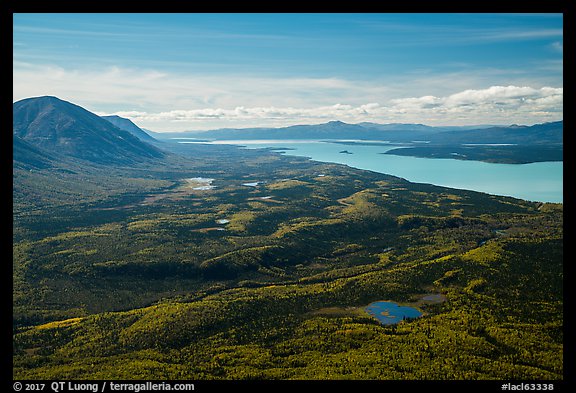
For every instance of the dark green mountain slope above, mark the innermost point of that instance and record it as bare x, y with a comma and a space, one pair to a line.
26, 156
57, 126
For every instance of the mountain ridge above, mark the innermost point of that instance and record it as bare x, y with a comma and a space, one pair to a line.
128, 125
60, 128
544, 133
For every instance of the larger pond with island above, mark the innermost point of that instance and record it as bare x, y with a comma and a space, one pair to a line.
390, 313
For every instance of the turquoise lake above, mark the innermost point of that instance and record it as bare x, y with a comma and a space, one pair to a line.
390, 313
541, 181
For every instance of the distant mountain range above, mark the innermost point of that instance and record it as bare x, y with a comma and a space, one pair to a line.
420, 127
547, 133
538, 134
330, 130
47, 129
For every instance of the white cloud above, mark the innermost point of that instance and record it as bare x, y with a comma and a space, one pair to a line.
491, 95
255, 113
513, 97
169, 102
500, 104
137, 89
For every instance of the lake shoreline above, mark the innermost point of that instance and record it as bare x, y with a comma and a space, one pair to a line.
537, 182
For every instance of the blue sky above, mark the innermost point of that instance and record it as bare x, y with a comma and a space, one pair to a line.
174, 72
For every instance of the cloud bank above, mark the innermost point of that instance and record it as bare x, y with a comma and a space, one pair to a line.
499, 104
169, 102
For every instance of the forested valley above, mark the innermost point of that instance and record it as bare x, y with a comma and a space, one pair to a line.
223, 263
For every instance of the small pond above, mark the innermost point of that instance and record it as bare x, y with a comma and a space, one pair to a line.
252, 184
390, 313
